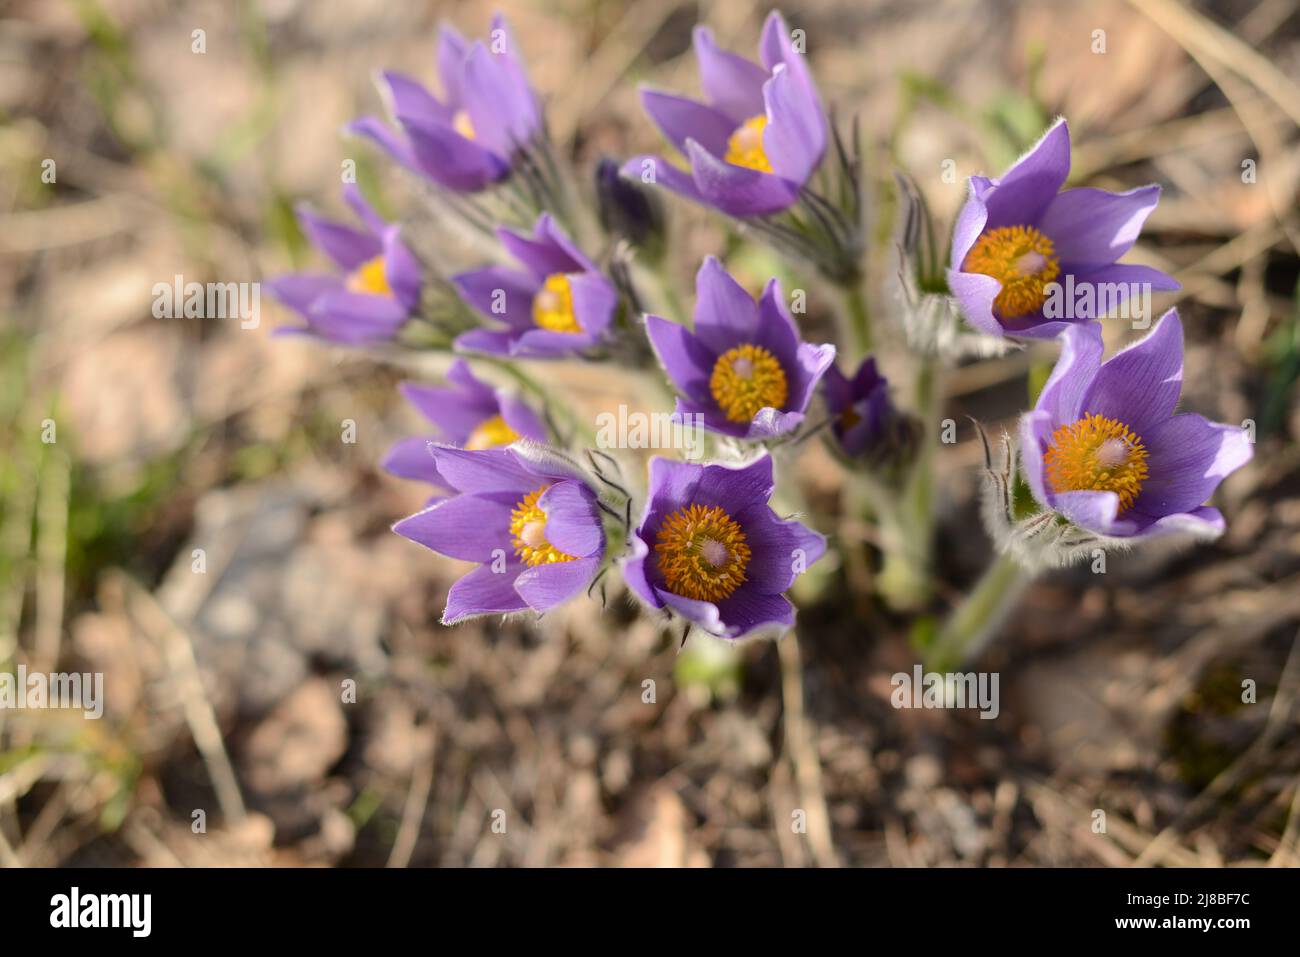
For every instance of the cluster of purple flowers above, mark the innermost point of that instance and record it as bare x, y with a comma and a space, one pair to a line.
1102, 448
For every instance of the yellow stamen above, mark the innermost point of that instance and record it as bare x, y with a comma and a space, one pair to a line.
462, 124
553, 305
490, 434
702, 553
370, 277
746, 379
1023, 260
528, 532
1096, 454
745, 147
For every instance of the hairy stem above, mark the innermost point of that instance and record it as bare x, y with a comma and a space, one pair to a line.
973, 623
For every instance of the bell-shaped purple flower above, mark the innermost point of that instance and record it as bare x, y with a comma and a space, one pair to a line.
1029, 259
376, 287
755, 141
1103, 447
468, 413
710, 548
559, 304
864, 420
526, 516
467, 139
744, 369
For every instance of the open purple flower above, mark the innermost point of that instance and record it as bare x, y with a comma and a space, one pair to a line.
528, 518
376, 288
710, 548
467, 139
743, 369
1029, 260
470, 413
1104, 449
558, 304
863, 417
758, 137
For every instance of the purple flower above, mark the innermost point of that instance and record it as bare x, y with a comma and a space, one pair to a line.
758, 138
558, 304
377, 286
1103, 447
467, 139
528, 518
743, 368
1020, 243
710, 548
863, 417
470, 414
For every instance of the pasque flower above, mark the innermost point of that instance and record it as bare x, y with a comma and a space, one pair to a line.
558, 304
469, 413
743, 369
1103, 447
1019, 234
376, 287
528, 518
758, 137
864, 420
710, 548
466, 139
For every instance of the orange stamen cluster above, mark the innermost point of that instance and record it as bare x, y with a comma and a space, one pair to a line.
370, 277
746, 379
702, 553
745, 146
1023, 260
553, 305
1098, 454
528, 532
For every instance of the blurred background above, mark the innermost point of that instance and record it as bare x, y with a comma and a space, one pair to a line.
227, 687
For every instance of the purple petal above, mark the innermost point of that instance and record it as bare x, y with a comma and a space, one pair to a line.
777, 548
1095, 511
1035, 434
455, 412
471, 528
521, 417
500, 105
1092, 226
410, 459
356, 317
449, 158
725, 314
1093, 292
1202, 523
810, 365
731, 84
572, 519
486, 341
347, 247
1140, 385
594, 302
409, 99
1188, 457
299, 290
364, 211
768, 423
747, 612
451, 54
402, 270
540, 253
636, 573
735, 489
547, 586
681, 119
497, 287
975, 294
1023, 194
377, 131
1063, 394
736, 190
665, 174
482, 592
483, 471
970, 223
688, 363
795, 136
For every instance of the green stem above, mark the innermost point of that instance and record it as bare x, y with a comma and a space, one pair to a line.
859, 318
974, 622
905, 576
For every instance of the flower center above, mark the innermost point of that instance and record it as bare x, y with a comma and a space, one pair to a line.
1097, 454
1023, 260
461, 123
701, 553
745, 146
370, 277
553, 305
746, 379
491, 433
528, 531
